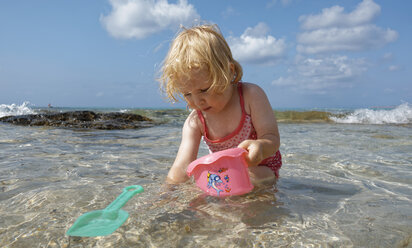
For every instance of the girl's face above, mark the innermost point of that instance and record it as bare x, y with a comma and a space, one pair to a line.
197, 94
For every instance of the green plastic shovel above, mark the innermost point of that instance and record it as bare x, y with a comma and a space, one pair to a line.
106, 221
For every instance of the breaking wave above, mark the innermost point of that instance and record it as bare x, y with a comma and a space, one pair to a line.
401, 114
14, 109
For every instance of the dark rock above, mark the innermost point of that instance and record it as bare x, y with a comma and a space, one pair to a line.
82, 119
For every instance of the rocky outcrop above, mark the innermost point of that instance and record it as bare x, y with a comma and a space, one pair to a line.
82, 119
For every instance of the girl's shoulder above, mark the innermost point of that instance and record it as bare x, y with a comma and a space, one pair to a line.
251, 90
251, 94
193, 122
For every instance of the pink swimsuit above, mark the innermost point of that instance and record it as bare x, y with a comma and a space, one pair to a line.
245, 130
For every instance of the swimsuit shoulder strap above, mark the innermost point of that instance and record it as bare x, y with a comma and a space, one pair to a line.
242, 102
202, 120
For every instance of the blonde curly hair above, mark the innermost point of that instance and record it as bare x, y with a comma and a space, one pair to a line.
199, 47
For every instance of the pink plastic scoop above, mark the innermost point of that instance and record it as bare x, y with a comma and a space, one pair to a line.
222, 173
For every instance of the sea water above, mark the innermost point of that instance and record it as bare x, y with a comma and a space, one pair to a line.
345, 182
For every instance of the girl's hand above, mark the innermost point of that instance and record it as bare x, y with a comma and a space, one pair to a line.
255, 151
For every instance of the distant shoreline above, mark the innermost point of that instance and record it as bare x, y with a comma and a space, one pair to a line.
401, 114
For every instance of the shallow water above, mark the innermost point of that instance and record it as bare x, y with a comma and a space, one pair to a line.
341, 185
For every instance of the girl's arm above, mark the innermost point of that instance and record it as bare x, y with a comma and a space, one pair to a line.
189, 147
264, 121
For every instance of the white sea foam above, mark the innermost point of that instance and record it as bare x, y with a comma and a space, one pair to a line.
402, 114
14, 109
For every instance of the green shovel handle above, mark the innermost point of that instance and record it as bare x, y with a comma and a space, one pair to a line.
125, 196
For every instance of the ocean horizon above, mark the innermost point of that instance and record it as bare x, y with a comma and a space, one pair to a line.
397, 114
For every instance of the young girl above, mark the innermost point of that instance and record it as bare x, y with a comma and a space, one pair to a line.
226, 112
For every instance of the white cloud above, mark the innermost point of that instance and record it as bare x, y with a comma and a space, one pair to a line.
323, 73
364, 13
393, 68
333, 30
142, 18
344, 39
255, 46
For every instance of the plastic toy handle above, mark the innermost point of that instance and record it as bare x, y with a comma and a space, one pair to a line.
124, 197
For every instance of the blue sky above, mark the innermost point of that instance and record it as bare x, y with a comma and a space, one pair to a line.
304, 54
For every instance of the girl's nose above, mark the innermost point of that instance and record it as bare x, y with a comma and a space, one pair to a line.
199, 101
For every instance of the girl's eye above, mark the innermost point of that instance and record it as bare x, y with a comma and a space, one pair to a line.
204, 90
186, 94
